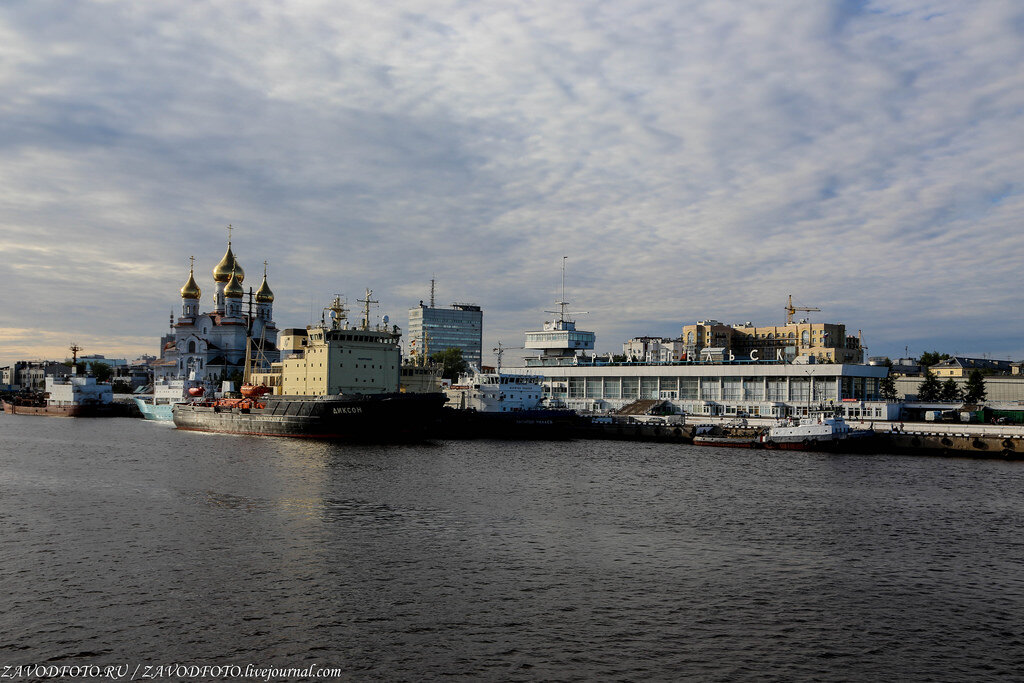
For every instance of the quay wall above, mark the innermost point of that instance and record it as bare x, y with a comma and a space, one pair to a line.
921, 438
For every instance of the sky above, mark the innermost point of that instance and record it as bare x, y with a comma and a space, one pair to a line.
693, 159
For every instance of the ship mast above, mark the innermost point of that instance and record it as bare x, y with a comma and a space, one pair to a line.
366, 307
337, 309
500, 351
561, 313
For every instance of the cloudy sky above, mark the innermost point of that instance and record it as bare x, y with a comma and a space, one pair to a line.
694, 159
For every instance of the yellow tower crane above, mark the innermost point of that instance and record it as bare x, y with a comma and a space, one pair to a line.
791, 309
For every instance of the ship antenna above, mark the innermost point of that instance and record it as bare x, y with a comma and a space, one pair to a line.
563, 303
500, 351
366, 308
337, 308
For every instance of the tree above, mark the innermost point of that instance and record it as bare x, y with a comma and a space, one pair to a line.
930, 358
888, 388
79, 366
950, 391
930, 389
451, 362
101, 371
121, 386
974, 390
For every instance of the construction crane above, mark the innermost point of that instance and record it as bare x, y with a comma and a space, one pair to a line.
791, 309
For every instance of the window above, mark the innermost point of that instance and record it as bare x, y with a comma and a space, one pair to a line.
611, 387
709, 389
776, 389
731, 389
753, 389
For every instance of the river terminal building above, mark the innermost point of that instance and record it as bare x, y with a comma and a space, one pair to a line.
730, 370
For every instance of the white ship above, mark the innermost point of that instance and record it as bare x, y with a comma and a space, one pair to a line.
495, 392
167, 392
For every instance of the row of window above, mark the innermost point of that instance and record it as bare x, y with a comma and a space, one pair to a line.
773, 389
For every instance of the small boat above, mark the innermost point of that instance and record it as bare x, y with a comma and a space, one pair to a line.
727, 441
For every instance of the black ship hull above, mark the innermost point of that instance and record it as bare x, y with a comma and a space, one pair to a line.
369, 417
522, 424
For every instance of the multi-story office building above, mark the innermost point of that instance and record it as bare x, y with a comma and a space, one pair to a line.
438, 329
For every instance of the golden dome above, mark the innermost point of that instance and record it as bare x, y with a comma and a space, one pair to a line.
228, 265
191, 289
263, 294
234, 287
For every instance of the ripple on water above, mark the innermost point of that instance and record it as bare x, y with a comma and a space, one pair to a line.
524, 561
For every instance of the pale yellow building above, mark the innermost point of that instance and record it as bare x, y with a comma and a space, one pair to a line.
826, 342
959, 366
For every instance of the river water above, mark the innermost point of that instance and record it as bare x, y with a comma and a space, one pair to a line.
129, 542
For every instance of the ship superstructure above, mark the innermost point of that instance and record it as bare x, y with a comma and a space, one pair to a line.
341, 359
495, 392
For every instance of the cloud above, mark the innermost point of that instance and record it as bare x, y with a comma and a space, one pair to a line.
694, 159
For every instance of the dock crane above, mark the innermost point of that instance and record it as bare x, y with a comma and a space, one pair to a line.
791, 309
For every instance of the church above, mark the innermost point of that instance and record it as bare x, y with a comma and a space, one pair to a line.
210, 347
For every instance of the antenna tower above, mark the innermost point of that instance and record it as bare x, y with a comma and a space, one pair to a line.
432, 292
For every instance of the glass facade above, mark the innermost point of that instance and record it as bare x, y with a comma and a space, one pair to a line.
790, 389
437, 329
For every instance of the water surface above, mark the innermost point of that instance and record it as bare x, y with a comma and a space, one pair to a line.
129, 541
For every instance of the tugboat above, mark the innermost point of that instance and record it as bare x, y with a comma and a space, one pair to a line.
824, 432
342, 385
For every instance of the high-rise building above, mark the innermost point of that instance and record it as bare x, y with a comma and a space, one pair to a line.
438, 329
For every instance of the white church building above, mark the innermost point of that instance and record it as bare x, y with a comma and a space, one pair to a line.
210, 346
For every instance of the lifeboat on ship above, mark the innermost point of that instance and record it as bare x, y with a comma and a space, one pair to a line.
254, 391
